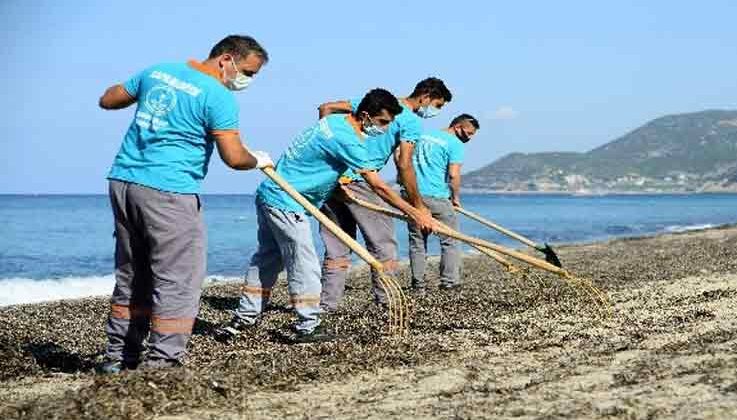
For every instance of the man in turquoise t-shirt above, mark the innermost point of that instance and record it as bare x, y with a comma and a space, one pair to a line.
377, 230
183, 111
437, 160
312, 165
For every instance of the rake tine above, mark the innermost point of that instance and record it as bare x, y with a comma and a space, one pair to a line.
596, 294
394, 315
385, 286
401, 309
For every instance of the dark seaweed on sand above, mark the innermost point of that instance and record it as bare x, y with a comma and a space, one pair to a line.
66, 339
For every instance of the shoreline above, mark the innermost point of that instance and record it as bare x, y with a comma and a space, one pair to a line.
502, 346
357, 266
463, 190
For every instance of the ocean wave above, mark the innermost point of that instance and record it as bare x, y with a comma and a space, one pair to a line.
15, 291
687, 228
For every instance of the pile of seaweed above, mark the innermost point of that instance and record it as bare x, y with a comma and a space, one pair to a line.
66, 338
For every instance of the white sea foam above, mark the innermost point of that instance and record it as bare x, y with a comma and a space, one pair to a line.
14, 291
24, 290
686, 228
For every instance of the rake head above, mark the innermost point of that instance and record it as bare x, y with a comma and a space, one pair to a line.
397, 305
550, 255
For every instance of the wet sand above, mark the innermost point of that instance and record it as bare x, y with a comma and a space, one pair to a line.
503, 346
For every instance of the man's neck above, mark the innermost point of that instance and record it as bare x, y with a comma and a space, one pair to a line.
412, 103
355, 124
210, 66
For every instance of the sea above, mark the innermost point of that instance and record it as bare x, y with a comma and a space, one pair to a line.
61, 246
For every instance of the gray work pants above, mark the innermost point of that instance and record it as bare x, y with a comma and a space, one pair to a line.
160, 263
378, 232
450, 261
284, 241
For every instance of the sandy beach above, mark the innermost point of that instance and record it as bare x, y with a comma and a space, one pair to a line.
522, 346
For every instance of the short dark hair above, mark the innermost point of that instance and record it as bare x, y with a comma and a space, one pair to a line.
378, 99
433, 87
239, 46
465, 117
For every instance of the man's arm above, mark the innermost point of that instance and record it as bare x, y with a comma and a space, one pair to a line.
337, 107
423, 220
116, 97
236, 156
454, 179
407, 174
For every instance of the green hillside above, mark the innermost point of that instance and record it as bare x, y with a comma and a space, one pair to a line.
683, 152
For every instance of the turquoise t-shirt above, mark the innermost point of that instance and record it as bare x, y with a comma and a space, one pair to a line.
433, 153
407, 126
167, 146
314, 161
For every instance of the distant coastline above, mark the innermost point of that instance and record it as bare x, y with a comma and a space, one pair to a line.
690, 152
593, 193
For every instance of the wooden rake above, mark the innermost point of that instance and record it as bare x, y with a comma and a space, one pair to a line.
550, 255
493, 250
397, 301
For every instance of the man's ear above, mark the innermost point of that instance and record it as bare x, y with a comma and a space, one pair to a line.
223, 59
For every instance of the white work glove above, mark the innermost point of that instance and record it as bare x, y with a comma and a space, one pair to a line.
262, 159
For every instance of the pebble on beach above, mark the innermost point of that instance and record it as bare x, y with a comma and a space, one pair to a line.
493, 312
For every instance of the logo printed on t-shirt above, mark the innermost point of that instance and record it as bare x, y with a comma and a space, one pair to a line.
160, 100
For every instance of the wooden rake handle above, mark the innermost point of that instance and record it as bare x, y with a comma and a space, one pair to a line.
496, 227
324, 220
446, 231
397, 215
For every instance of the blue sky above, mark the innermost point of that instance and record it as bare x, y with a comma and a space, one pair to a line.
541, 76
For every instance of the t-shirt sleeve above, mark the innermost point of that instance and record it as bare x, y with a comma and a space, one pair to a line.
222, 112
456, 153
354, 104
410, 128
133, 85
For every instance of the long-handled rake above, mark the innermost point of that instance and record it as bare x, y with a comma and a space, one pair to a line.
441, 229
511, 268
397, 301
550, 255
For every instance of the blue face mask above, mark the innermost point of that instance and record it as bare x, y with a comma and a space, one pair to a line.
373, 129
428, 111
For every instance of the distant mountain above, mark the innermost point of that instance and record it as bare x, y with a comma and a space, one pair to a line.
675, 153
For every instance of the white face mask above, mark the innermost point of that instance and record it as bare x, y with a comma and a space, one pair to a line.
373, 130
239, 82
428, 111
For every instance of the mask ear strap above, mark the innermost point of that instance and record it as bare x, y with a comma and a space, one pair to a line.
235, 66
